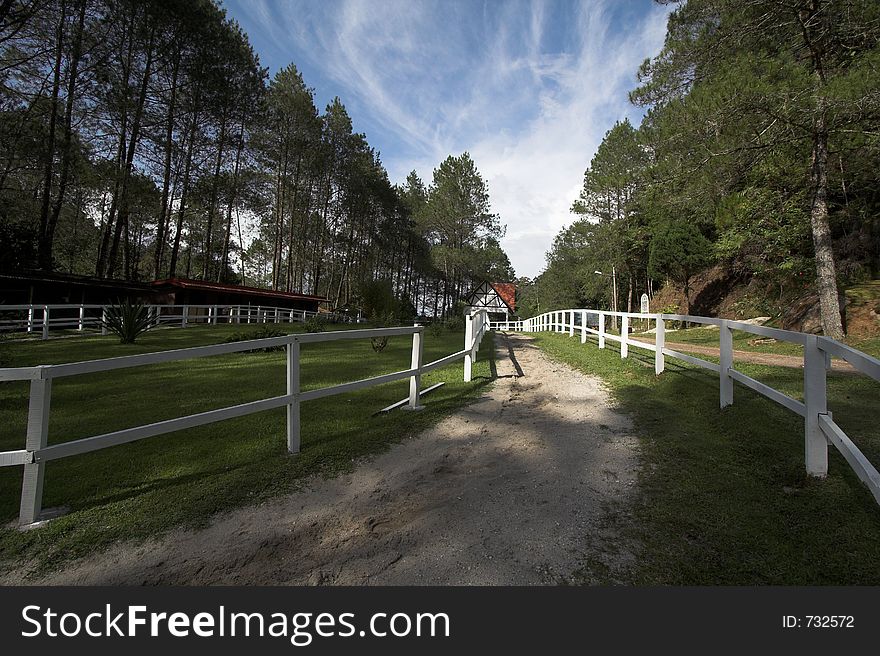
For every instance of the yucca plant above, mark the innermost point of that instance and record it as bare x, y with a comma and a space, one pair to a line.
127, 320
383, 320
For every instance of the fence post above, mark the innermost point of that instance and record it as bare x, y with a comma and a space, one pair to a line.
477, 330
571, 323
30, 319
583, 326
726, 364
659, 345
104, 320
37, 438
815, 398
601, 330
624, 334
468, 338
45, 322
293, 423
215, 315
415, 381
82, 317
184, 316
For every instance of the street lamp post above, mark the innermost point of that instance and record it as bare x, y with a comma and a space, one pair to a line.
613, 293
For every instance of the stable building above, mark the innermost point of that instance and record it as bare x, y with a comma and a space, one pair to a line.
499, 298
182, 291
40, 288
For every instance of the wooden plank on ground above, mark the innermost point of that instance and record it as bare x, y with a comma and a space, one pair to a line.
403, 401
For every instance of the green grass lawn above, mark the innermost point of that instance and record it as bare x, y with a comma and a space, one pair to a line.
723, 495
141, 489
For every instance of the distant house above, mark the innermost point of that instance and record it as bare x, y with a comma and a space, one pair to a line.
499, 298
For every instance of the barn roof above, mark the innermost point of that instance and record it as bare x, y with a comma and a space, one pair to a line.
507, 292
204, 285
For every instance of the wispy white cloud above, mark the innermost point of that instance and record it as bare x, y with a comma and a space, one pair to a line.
529, 89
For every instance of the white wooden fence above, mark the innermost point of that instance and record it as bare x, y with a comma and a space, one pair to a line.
819, 426
37, 450
41, 319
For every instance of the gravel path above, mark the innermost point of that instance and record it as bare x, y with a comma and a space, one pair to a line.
516, 488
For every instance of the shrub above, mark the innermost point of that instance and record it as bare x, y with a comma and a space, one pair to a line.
455, 323
127, 320
436, 329
261, 333
315, 324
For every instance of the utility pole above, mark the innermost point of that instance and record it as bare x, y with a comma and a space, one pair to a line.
614, 294
614, 317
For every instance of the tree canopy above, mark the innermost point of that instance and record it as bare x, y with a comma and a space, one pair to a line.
142, 140
758, 151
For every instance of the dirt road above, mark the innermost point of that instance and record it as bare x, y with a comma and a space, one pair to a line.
751, 357
514, 489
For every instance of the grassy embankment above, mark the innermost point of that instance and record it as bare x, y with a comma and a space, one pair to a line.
723, 495
141, 489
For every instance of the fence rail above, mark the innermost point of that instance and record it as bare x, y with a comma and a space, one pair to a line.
38, 451
820, 430
41, 319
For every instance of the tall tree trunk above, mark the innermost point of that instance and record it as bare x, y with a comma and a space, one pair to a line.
121, 156
175, 249
813, 24
290, 238
44, 248
165, 209
826, 274
66, 145
629, 294
124, 210
304, 237
233, 195
212, 208
241, 245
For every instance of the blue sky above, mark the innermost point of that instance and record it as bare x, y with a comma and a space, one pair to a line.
528, 88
